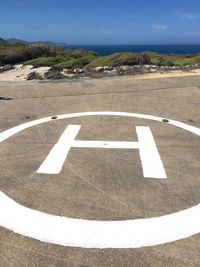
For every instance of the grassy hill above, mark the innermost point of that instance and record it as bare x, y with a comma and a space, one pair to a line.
2, 41
145, 58
43, 55
15, 40
58, 56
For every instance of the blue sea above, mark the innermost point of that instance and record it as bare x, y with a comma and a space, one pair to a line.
104, 50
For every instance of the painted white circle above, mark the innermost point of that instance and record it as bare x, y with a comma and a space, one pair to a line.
97, 234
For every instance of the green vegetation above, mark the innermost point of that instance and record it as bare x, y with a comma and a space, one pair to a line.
42, 55
46, 61
59, 57
187, 60
146, 58
76, 62
71, 60
18, 53
119, 59
174, 60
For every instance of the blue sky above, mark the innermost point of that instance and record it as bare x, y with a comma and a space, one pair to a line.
102, 21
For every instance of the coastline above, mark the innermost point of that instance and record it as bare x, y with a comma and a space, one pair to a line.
106, 50
19, 62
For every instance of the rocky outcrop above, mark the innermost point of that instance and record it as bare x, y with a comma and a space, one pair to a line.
67, 71
78, 70
99, 69
34, 76
6, 68
54, 74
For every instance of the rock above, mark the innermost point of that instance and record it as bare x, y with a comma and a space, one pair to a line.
154, 66
54, 74
71, 73
18, 67
6, 68
34, 76
78, 70
162, 67
99, 69
153, 70
113, 72
107, 68
124, 68
67, 71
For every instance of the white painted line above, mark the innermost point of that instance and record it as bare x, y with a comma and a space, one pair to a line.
10, 132
152, 165
56, 158
105, 144
151, 162
98, 234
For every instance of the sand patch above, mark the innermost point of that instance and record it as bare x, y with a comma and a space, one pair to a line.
175, 73
20, 73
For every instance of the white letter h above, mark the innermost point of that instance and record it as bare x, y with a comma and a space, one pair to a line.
152, 165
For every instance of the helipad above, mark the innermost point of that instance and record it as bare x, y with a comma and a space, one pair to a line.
97, 191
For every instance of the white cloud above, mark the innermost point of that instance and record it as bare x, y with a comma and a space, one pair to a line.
160, 27
188, 16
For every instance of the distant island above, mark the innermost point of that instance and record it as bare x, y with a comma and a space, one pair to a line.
65, 63
15, 40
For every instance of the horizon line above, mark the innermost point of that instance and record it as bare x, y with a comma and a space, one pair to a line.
130, 44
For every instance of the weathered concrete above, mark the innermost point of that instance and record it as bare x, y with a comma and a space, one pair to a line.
100, 184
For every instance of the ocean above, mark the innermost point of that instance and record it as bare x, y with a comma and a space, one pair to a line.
104, 50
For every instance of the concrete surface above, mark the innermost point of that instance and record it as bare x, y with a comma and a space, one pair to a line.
100, 184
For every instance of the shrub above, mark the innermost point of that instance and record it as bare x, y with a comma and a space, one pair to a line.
76, 63
119, 59
78, 53
144, 59
57, 50
197, 59
169, 63
13, 54
18, 53
46, 61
